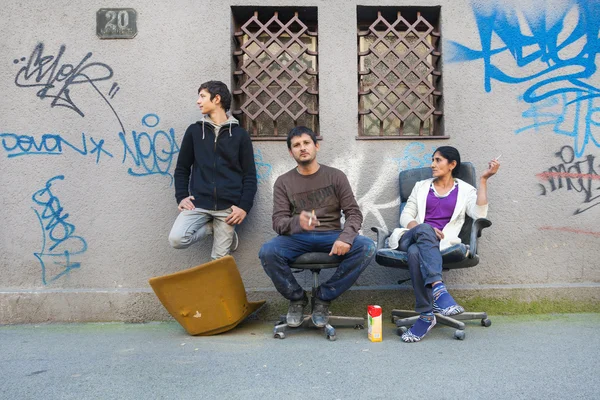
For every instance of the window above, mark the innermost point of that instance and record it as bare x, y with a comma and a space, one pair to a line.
275, 76
399, 88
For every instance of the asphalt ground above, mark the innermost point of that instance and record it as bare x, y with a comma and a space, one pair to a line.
525, 357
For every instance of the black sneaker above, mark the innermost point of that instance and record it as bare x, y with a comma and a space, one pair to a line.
320, 313
295, 313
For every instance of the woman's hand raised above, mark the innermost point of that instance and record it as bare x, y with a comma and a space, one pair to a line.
492, 169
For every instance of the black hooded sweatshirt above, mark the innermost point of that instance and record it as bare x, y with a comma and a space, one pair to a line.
222, 166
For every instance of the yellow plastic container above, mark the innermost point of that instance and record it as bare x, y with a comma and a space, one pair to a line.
374, 314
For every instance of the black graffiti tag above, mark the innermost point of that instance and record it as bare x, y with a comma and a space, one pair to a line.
57, 80
579, 176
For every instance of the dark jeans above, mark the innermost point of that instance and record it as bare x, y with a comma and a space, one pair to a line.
278, 253
424, 263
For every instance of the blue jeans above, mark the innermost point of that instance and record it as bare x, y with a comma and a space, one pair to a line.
278, 253
424, 263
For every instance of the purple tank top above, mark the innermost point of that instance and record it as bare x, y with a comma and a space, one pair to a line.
439, 210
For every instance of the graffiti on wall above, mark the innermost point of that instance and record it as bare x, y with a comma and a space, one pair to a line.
567, 115
552, 53
414, 155
16, 145
61, 81
59, 242
570, 230
372, 186
152, 153
263, 169
572, 174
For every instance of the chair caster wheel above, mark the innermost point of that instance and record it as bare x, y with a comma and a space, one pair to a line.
486, 322
331, 338
279, 335
359, 326
460, 335
401, 330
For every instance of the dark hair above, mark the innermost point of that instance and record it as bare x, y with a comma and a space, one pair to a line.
218, 88
450, 154
299, 131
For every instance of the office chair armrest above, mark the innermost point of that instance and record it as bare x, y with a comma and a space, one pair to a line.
382, 234
478, 225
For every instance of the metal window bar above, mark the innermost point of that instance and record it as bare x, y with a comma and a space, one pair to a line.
399, 83
276, 76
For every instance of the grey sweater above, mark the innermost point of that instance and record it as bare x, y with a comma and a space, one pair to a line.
327, 192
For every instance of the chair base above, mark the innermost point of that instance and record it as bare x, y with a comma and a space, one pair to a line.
315, 262
281, 327
405, 318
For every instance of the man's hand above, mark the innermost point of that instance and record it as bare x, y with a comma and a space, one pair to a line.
438, 233
186, 204
308, 220
339, 248
236, 217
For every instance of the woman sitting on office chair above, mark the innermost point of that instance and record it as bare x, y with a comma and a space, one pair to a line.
433, 216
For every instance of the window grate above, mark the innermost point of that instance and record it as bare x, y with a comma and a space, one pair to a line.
276, 80
399, 84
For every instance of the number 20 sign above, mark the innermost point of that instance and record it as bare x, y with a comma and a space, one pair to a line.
116, 23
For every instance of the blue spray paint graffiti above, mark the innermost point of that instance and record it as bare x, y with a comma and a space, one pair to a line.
151, 154
414, 155
16, 145
554, 52
263, 169
566, 114
98, 149
59, 242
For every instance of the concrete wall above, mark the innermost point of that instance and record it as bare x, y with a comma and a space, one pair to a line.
84, 228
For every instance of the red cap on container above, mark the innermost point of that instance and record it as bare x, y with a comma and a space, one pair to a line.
374, 311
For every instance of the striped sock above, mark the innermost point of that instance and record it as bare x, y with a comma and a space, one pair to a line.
443, 302
420, 328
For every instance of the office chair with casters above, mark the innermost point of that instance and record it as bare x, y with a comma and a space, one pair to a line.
463, 255
315, 262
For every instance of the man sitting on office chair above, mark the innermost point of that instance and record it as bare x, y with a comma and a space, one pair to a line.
307, 205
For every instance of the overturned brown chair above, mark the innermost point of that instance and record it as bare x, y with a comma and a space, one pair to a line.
207, 299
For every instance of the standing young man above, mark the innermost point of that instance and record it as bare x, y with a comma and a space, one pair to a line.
218, 153
307, 205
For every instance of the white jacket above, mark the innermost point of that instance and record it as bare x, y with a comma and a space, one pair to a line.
466, 203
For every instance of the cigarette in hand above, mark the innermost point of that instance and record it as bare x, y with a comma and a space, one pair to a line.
497, 158
311, 217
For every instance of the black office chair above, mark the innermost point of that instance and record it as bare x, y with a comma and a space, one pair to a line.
461, 255
315, 262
